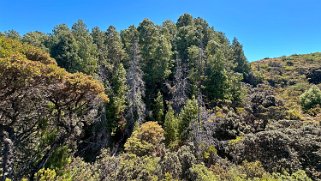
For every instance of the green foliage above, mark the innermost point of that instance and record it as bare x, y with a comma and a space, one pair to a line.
253, 169
116, 53
171, 127
299, 175
239, 58
146, 139
209, 152
79, 170
138, 168
186, 116
74, 49
105, 66
53, 101
197, 65
156, 52
117, 105
238, 139
87, 50
187, 159
201, 173
49, 115
36, 38
311, 98
12, 34
159, 108
217, 85
242, 172
169, 30
13, 48
59, 158
45, 175
171, 166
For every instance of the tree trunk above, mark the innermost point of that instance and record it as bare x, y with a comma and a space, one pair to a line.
7, 163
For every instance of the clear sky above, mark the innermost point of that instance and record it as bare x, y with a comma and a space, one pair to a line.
266, 28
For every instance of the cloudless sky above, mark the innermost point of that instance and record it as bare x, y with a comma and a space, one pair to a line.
266, 28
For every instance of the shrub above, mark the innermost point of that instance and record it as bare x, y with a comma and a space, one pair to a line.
299, 175
201, 173
311, 98
45, 175
146, 139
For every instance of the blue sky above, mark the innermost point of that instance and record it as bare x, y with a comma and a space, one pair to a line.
266, 28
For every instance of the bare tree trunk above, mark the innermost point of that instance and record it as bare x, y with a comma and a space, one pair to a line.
180, 87
7, 163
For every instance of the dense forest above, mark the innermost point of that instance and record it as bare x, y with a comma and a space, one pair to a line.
176, 101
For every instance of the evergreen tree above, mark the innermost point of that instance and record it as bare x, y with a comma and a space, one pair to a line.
64, 48
185, 20
149, 44
158, 72
12, 34
186, 37
104, 65
239, 58
169, 30
117, 105
188, 114
87, 50
148, 35
203, 32
146, 139
36, 38
159, 108
197, 60
170, 126
116, 53
161, 68
217, 80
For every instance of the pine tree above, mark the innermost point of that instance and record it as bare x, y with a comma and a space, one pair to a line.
161, 68
104, 65
169, 30
151, 63
186, 37
239, 58
170, 126
188, 115
64, 48
159, 108
221, 82
196, 73
36, 38
12, 34
116, 53
217, 85
148, 35
117, 105
158, 71
185, 20
87, 50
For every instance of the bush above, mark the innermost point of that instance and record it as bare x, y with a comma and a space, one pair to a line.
311, 98
45, 175
79, 170
201, 173
299, 175
146, 139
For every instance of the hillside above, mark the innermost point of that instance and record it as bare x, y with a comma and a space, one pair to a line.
176, 101
290, 76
